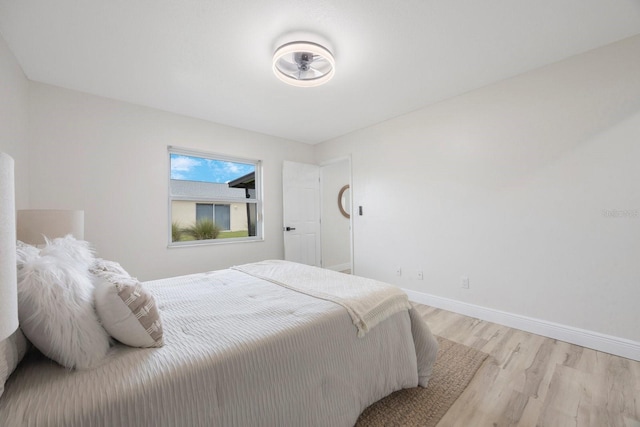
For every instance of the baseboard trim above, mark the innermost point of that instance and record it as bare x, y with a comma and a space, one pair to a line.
594, 340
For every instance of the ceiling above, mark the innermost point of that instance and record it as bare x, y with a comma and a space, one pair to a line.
211, 59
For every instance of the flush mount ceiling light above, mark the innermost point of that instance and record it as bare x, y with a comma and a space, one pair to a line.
303, 64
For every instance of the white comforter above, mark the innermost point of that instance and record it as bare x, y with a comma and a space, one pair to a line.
239, 351
367, 301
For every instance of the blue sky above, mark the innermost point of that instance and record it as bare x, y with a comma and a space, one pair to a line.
189, 168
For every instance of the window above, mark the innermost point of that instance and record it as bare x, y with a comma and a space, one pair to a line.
213, 198
220, 214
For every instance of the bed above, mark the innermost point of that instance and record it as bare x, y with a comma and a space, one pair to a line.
241, 348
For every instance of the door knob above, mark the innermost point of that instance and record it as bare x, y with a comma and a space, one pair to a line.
289, 228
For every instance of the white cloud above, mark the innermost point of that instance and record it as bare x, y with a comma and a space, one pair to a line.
183, 164
231, 167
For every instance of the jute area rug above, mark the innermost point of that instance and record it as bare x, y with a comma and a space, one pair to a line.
455, 367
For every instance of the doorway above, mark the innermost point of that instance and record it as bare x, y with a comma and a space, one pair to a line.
336, 215
317, 203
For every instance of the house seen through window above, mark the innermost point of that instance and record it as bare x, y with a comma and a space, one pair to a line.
213, 198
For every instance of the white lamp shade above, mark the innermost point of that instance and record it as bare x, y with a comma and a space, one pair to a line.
8, 279
34, 224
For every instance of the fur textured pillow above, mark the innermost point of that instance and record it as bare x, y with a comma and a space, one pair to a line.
69, 248
24, 253
127, 310
55, 303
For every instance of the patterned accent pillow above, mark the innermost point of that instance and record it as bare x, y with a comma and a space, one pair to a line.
101, 266
127, 310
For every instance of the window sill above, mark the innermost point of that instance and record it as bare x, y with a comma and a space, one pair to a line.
214, 242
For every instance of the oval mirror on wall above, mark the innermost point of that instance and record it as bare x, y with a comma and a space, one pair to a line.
344, 201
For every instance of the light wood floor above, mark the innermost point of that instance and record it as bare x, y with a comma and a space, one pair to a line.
530, 380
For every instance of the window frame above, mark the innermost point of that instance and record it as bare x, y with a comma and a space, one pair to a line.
259, 202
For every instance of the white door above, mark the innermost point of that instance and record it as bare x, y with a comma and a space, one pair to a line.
301, 207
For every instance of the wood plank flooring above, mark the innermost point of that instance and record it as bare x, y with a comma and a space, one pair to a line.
530, 380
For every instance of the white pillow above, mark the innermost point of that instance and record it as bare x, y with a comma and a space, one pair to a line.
101, 266
55, 303
12, 350
75, 251
24, 253
127, 310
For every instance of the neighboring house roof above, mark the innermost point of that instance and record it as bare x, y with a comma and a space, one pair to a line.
245, 181
248, 182
199, 189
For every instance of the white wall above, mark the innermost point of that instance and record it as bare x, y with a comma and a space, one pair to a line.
516, 185
14, 101
110, 159
335, 236
513, 185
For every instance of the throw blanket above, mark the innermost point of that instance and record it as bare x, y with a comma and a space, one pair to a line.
368, 301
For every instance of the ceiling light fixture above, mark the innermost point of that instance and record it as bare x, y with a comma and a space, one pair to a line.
303, 64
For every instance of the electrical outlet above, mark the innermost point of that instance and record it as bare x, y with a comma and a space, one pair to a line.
398, 271
464, 282
420, 275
